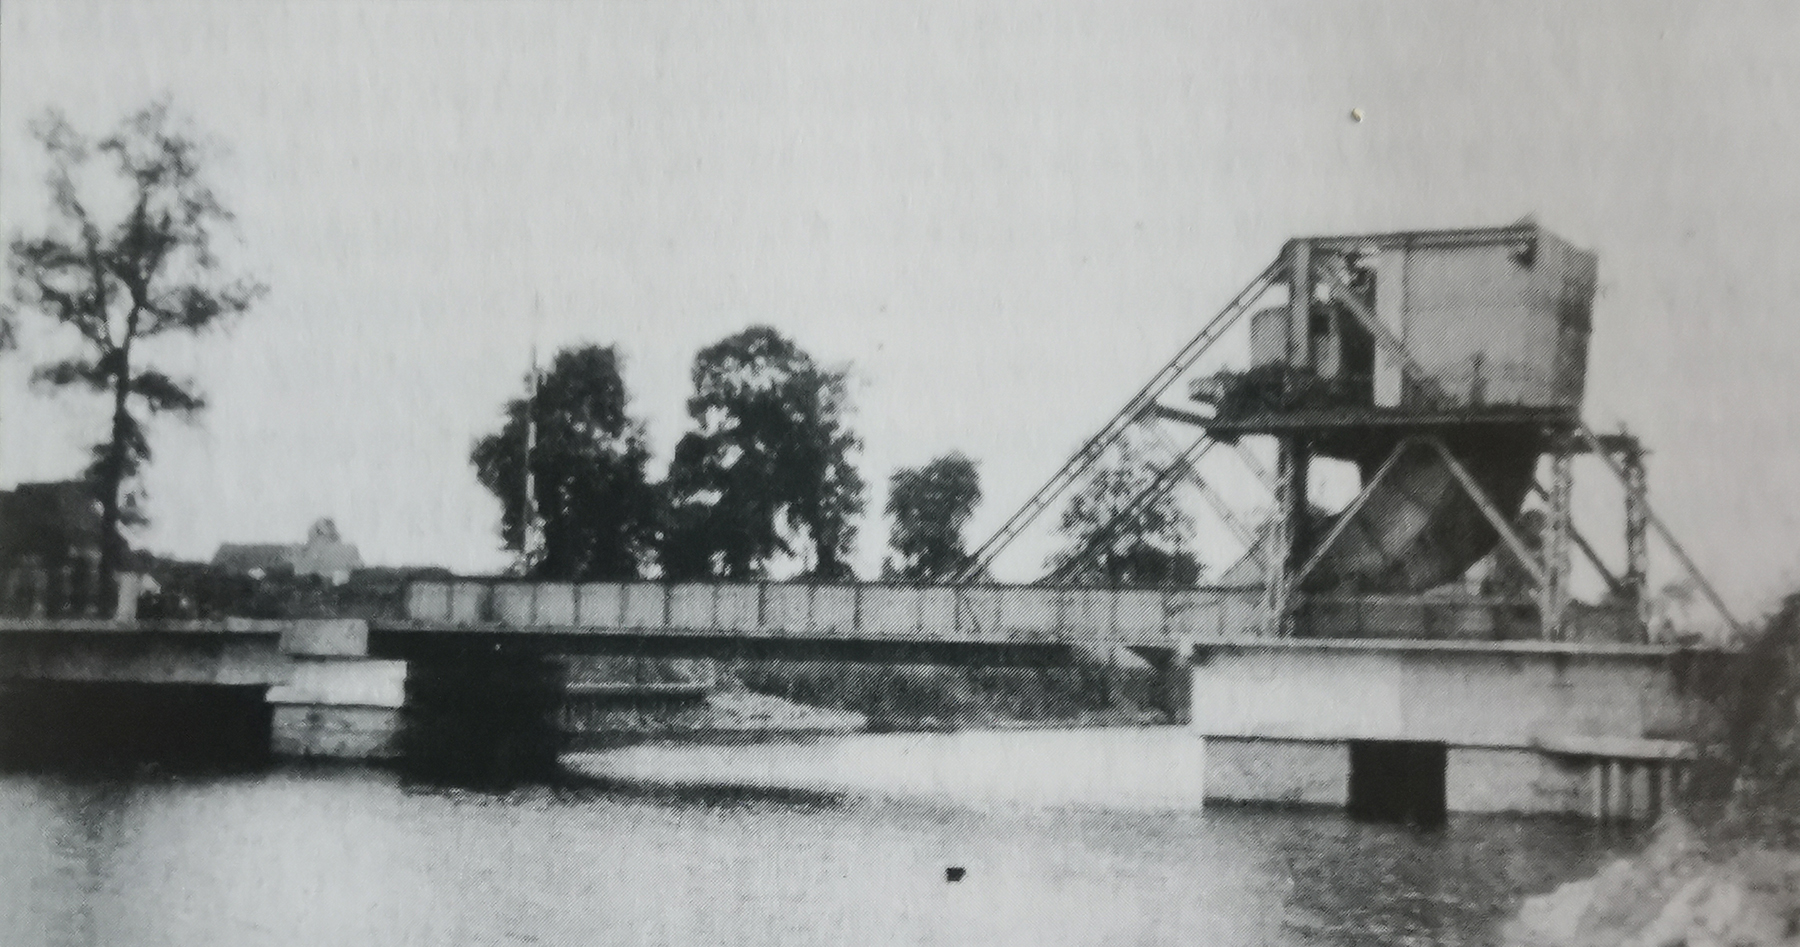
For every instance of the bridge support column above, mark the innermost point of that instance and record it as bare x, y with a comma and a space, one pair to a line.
1553, 594
1637, 529
337, 702
1293, 463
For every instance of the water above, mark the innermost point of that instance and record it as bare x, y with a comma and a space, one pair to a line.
1154, 769
298, 855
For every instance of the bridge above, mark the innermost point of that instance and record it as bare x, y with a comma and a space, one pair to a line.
1503, 726
1353, 660
338, 686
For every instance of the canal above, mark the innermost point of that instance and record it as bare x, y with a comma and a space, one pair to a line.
650, 853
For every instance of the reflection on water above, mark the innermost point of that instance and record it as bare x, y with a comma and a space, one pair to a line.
307, 855
1147, 768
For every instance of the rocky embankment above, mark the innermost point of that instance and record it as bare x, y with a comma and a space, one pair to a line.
1725, 872
1680, 891
740, 711
839, 696
724, 711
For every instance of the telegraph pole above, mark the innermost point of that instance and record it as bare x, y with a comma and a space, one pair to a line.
531, 546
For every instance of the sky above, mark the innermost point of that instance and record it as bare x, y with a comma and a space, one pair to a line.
1003, 218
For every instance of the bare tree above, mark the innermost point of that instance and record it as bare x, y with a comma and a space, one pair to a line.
127, 255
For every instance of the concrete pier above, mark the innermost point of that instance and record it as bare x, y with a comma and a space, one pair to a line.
337, 702
1418, 728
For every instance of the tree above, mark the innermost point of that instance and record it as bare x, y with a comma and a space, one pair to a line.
120, 278
588, 467
770, 459
1116, 538
929, 506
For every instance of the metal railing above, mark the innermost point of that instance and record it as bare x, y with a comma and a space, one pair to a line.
190, 592
1456, 617
976, 613
67, 590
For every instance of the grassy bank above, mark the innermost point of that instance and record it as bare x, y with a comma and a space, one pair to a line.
845, 695
1756, 743
913, 696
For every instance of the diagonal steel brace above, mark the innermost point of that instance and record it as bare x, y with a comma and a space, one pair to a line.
1494, 517
1349, 512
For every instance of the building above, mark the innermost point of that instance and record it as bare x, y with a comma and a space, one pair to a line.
52, 524
323, 554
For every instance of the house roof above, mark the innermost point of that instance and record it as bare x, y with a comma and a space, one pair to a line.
322, 554
242, 557
326, 558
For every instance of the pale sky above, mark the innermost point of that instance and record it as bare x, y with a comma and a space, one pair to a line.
1005, 217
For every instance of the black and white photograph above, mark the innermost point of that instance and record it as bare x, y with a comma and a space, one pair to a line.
896, 472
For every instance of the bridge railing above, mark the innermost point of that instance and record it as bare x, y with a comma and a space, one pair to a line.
994, 613
191, 591
1440, 616
72, 589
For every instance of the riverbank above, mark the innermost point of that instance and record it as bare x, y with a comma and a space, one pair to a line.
1681, 891
841, 697
725, 713
1724, 870
1102, 687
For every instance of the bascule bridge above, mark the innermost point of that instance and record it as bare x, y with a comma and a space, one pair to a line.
1350, 658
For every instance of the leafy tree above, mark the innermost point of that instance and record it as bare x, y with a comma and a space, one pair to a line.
1119, 535
123, 271
929, 506
770, 457
588, 467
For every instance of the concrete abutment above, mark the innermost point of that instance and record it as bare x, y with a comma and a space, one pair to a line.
1410, 730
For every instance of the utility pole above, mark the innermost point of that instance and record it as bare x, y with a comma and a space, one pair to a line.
531, 546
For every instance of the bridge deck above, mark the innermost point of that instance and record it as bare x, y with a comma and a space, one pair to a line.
899, 618
977, 624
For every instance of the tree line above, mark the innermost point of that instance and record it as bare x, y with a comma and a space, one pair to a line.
766, 473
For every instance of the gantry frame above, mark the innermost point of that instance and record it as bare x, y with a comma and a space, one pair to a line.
1304, 267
